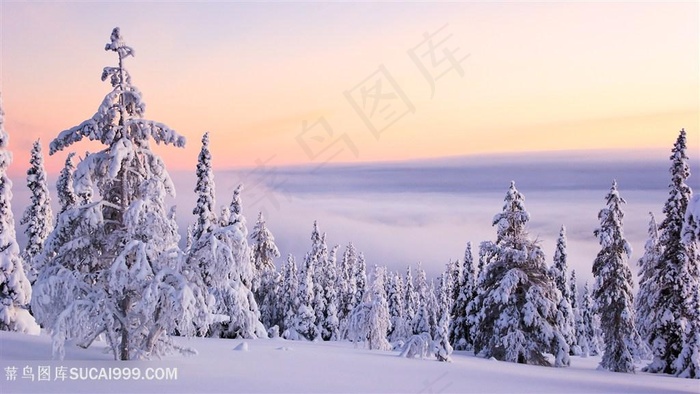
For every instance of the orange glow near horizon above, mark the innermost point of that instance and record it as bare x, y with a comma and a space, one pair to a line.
535, 77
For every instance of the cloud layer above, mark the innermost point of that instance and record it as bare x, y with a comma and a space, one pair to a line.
403, 213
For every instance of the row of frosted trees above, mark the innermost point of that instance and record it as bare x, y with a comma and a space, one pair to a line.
111, 267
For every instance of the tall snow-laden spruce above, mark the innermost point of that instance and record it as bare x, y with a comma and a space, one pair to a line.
465, 291
559, 272
265, 250
15, 289
38, 216
588, 326
421, 321
112, 264
236, 298
379, 318
400, 330
64, 186
453, 270
573, 291
321, 282
330, 327
347, 286
516, 302
648, 286
218, 261
573, 299
360, 273
267, 279
290, 302
673, 279
613, 295
370, 321
305, 317
687, 364
441, 345
206, 264
411, 303
205, 191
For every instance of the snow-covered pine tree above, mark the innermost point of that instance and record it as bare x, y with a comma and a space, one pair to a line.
305, 324
558, 272
354, 288
421, 321
456, 275
411, 303
573, 299
242, 250
400, 330
613, 296
433, 306
330, 329
265, 250
560, 267
648, 286
441, 345
453, 270
219, 262
357, 329
588, 328
271, 300
665, 325
460, 336
114, 264
516, 301
360, 273
70, 266
370, 321
573, 291
236, 296
290, 298
38, 216
687, 364
319, 253
205, 190
347, 286
208, 260
15, 289
267, 279
64, 186
379, 318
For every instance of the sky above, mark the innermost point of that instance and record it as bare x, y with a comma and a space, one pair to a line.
309, 83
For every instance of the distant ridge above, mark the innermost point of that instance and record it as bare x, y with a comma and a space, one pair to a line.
534, 171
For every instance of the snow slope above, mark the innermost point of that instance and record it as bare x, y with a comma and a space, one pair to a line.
280, 366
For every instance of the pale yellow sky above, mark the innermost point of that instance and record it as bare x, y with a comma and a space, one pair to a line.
508, 77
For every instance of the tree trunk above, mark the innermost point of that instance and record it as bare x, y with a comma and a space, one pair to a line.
124, 344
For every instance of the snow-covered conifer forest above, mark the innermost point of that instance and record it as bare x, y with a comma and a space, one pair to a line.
105, 274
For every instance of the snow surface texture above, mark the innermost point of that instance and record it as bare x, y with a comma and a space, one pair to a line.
319, 367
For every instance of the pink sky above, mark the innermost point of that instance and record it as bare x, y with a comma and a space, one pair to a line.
521, 77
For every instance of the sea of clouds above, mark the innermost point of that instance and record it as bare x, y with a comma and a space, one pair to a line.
402, 213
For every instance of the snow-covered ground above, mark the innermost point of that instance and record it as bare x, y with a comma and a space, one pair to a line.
280, 366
